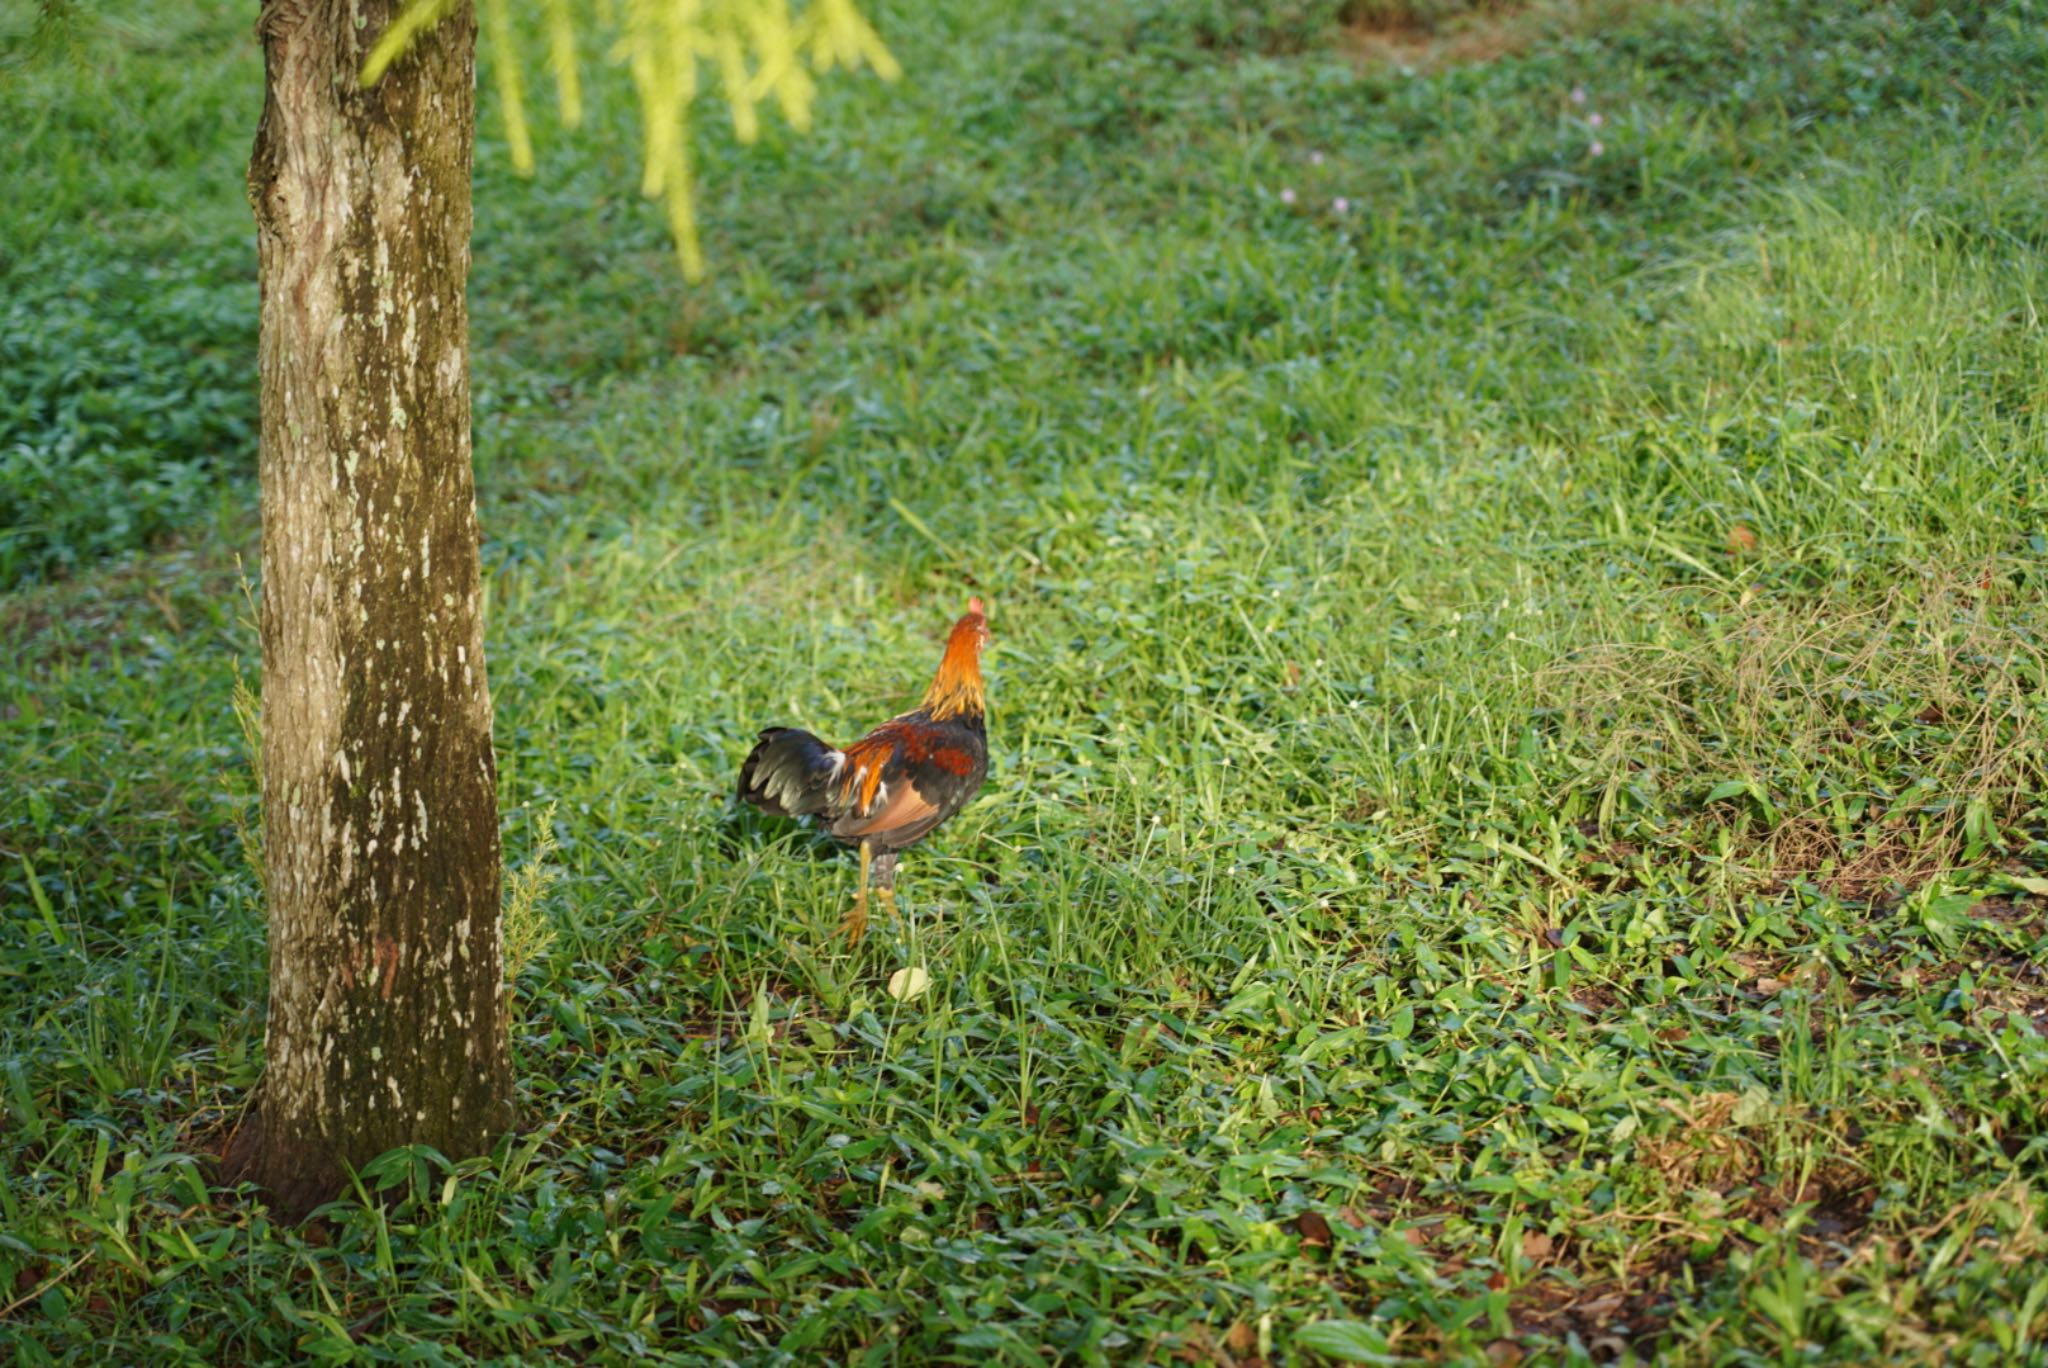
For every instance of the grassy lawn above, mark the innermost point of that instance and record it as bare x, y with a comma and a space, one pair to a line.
1517, 826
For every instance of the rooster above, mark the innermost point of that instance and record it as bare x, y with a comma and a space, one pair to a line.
885, 792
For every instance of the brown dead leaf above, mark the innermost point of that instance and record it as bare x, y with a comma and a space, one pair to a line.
1315, 1231
1601, 1309
1242, 1339
1536, 1246
1741, 540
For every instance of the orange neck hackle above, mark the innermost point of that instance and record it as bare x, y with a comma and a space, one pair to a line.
956, 688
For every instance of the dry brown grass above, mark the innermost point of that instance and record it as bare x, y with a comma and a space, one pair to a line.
1424, 35
1868, 729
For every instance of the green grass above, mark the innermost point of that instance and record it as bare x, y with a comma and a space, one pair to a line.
127, 283
1519, 722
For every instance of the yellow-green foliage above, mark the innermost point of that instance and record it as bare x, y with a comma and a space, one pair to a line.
248, 831
760, 50
527, 933
249, 717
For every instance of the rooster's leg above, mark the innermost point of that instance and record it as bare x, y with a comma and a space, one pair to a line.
856, 924
885, 879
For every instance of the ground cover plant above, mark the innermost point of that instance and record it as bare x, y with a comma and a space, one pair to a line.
1516, 701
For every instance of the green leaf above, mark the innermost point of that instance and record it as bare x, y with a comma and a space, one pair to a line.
1945, 918
1346, 1038
1346, 1340
1564, 1119
42, 902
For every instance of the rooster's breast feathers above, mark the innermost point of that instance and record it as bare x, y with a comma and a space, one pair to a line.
905, 777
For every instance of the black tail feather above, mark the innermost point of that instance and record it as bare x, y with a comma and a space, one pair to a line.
788, 773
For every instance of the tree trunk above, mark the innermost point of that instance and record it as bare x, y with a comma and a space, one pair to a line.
379, 789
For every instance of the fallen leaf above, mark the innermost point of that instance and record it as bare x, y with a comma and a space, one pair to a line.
1741, 539
1241, 1339
906, 984
1753, 1106
1536, 1246
1315, 1231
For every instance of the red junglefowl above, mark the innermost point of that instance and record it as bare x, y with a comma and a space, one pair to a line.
885, 792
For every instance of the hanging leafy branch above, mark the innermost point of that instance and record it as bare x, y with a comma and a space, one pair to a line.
757, 51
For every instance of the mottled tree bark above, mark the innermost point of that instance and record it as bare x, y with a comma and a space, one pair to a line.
379, 790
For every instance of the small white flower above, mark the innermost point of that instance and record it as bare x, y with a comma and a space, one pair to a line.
1578, 95
1315, 159
1596, 118
1596, 149
1287, 195
1340, 205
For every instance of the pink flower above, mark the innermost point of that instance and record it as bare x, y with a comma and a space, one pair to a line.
1287, 196
1340, 205
1596, 149
1596, 118
1315, 159
1578, 95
